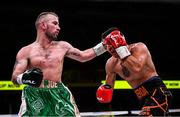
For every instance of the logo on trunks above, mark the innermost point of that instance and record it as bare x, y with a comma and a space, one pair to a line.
141, 92
37, 105
50, 84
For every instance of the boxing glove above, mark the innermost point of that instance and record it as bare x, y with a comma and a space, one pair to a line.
117, 40
104, 93
32, 77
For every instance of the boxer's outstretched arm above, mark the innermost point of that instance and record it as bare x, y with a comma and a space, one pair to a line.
85, 55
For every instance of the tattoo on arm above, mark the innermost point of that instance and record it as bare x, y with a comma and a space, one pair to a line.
74, 54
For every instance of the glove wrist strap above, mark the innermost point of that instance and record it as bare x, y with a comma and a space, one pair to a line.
123, 52
99, 49
19, 79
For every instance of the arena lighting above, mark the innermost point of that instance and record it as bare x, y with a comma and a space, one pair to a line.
122, 84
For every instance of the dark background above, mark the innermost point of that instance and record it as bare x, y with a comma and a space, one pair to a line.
155, 23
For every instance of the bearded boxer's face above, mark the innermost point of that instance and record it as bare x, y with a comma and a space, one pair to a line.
112, 51
51, 35
52, 27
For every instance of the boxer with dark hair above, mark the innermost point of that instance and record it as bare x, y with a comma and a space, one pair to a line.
40, 66
133, 63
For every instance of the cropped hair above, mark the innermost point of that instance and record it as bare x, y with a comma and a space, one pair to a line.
43, 15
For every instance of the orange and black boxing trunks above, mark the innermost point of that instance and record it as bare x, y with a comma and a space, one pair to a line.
154, 97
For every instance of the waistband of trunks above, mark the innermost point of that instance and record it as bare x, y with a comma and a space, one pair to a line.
49, 84
148, 87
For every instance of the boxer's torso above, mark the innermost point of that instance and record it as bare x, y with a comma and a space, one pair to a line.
134, 78
49, 60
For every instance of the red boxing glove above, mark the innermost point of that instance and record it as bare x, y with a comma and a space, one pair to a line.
104, 93
117, 40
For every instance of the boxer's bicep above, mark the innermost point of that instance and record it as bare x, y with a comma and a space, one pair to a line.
73, 53
20, 65
82, 56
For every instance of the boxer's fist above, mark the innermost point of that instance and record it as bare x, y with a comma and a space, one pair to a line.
116, 39
32, 77
104, 93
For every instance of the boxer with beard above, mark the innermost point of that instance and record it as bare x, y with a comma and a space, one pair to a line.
39, 65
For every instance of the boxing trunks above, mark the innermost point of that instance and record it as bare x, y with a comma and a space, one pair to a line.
154, 96
53, 99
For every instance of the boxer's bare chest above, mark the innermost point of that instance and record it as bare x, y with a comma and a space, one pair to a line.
49, 57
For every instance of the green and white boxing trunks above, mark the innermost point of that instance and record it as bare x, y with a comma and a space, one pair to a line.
57, 101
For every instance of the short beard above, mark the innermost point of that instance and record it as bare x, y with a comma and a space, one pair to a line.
51, 36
